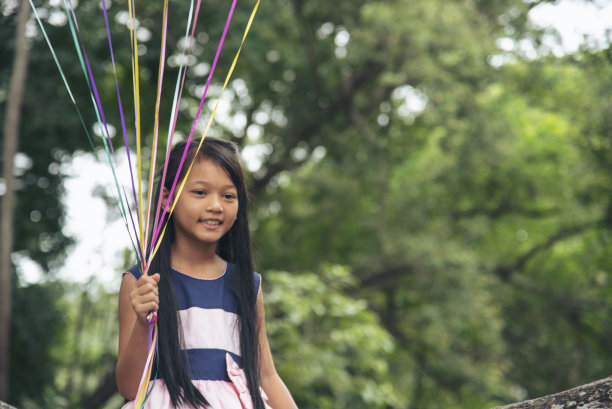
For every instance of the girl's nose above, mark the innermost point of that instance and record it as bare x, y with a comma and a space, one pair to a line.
214, 204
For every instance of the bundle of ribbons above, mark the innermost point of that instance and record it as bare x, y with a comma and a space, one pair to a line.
136, 207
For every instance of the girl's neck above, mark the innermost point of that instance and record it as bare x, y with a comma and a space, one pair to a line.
197, 261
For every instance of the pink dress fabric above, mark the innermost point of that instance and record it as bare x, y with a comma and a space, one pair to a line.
207, 313
220, 394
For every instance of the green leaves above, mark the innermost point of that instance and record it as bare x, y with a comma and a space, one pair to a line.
37, 325
343, 350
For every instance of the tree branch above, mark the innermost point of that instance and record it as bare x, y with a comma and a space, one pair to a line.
592, 395
505, 272
503, 209
386, 278
305, 132
105, 390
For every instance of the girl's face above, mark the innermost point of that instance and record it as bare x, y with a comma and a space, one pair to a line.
208, 204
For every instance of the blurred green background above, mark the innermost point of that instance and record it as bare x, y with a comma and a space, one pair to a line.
431, 183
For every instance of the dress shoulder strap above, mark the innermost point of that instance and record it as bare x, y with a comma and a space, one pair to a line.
257, 279
135, 271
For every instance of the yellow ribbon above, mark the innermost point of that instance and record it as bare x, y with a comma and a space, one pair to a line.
227, 78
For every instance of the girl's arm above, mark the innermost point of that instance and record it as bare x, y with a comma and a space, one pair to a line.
279, 396
136, 300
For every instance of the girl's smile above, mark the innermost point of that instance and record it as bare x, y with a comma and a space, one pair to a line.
211, 223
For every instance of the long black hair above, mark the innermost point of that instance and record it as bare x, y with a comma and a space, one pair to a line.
234, 247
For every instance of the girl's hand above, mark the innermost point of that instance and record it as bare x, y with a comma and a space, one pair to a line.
145, 296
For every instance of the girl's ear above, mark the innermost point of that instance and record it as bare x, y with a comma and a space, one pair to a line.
165, 194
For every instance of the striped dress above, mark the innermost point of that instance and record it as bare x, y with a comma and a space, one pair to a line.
208, 314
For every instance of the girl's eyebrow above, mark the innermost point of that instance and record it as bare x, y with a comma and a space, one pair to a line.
205, 183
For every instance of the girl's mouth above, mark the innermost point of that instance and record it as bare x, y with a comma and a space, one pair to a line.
211, 222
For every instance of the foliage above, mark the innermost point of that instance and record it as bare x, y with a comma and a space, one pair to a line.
343, 349
63, 340
37, 325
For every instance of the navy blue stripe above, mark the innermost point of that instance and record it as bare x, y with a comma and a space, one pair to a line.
203, 293
257, 278
193, 292
206, 364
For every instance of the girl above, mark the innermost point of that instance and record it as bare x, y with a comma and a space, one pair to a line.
212, 346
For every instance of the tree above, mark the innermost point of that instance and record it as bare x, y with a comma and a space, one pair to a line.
491, 184
11, 132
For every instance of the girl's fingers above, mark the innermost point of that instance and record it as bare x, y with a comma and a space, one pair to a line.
145, 281
146, 299
145, 290
147, 284
145, 296
144, 309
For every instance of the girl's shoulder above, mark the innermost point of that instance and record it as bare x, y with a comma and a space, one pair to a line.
134, 271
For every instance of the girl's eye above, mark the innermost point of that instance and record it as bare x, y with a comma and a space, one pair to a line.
199, 192
229, 196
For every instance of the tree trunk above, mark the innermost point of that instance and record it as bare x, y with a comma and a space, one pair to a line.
597, 394
105, 390
11, 132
